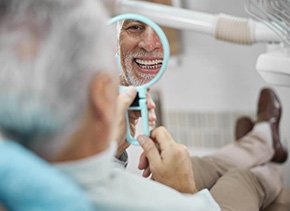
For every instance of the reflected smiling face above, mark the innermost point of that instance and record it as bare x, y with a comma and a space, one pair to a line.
141, 52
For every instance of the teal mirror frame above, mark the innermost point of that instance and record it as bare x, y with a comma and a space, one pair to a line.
142, 90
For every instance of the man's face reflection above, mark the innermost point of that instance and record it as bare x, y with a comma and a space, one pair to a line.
141, 52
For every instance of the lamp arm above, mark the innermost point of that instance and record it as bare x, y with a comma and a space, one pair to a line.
221, 26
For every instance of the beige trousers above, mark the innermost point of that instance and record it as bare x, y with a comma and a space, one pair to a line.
239, 175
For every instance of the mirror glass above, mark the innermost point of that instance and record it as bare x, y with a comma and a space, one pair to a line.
140, 52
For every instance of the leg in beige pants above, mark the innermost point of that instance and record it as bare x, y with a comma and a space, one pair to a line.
253, 185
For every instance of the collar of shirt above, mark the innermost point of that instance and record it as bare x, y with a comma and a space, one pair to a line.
92, 169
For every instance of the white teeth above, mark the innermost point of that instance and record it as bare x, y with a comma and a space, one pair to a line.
149, 62
150, 67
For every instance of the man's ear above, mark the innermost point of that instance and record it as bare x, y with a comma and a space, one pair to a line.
103, 95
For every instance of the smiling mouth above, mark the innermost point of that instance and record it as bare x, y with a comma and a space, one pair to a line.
149, 65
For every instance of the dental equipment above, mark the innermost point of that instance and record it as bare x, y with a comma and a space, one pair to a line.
221, 26
273, 27
274, 66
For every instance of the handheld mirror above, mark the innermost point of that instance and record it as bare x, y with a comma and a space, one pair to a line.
143, 54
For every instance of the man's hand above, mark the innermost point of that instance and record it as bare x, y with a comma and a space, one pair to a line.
168, 161
123, 102
135, 115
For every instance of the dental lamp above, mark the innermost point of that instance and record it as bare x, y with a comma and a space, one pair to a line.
272, 27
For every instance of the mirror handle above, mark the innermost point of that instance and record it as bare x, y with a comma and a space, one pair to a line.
144, 115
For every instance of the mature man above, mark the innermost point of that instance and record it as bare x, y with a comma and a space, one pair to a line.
141, 52
62, 103
58, 98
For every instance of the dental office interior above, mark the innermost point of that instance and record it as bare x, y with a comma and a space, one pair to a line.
209, 83
217, 57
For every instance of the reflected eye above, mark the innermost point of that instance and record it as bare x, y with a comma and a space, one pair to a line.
136, 28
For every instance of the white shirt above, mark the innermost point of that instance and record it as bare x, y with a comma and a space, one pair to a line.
112, 188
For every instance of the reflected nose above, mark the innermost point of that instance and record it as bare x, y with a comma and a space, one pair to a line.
150, 41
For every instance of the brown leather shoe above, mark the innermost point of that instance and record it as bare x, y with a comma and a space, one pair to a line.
270, 110
243, 126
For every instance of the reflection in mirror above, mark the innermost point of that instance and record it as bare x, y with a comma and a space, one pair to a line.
141, 52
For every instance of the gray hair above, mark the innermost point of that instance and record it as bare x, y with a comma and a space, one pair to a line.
43, 97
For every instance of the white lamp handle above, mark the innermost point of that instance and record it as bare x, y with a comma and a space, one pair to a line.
224, 27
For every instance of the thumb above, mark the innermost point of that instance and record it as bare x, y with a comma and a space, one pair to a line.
126, 98
150, 150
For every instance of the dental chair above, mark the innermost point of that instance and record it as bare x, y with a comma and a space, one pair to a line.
28, 183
